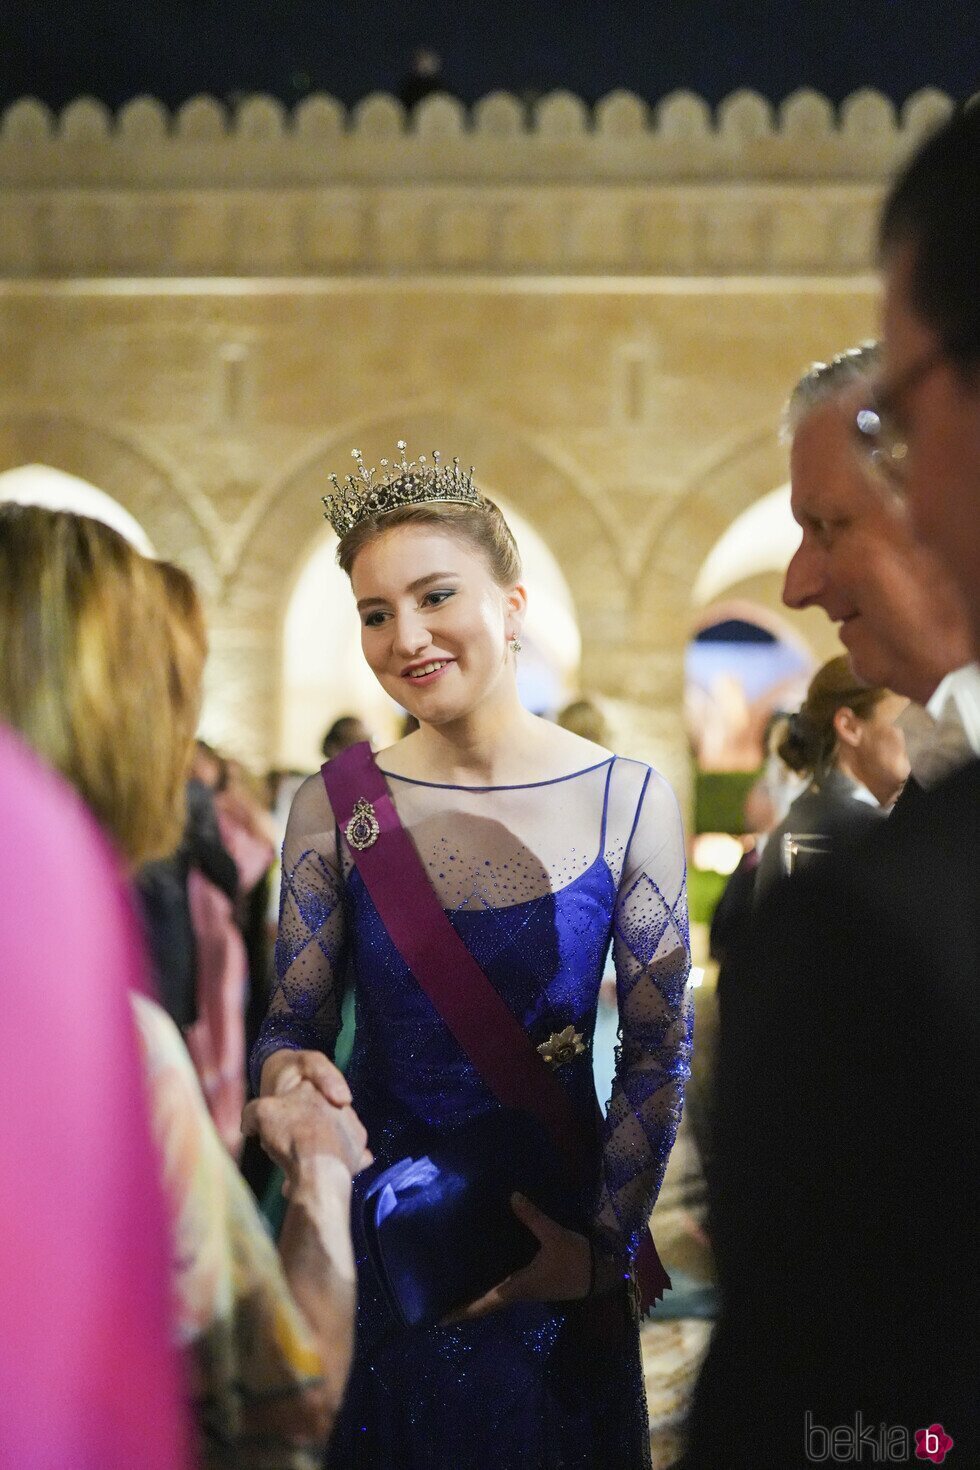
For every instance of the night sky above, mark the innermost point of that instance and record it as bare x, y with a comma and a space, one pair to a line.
176, 48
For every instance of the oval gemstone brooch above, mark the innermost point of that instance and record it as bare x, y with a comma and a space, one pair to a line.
362, 830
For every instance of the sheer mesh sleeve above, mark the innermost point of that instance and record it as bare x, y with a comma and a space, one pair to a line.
310, 949
651, 949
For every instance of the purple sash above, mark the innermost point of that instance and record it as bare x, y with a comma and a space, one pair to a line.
486, 1030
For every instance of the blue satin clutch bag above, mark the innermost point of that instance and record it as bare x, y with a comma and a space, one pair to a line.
440, 1230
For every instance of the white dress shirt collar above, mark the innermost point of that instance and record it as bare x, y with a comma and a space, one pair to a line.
944, 735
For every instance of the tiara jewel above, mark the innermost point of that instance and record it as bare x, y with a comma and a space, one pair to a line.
402, 482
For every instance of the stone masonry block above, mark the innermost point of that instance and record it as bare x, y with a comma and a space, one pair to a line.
598, 235
333, 231
799, 238
200, 239
400, 228
262, 239
732, 234
463, 235
18, 237
666, 232
532, 234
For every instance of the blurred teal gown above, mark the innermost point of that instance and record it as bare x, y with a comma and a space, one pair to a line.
538, 880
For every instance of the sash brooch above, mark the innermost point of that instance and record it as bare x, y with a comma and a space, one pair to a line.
362, 830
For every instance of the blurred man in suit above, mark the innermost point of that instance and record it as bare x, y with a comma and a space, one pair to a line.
848, 1135
899, 612
928, 404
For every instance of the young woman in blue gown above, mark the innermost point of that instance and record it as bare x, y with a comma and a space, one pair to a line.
543, 849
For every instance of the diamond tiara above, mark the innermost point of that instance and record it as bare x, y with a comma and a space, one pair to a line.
402, 482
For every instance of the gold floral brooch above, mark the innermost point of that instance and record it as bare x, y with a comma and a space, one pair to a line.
561, 1047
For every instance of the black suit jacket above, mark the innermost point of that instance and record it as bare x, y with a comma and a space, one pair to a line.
829, 808
848, 1152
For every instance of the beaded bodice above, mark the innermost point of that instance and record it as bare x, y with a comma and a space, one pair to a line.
538, 880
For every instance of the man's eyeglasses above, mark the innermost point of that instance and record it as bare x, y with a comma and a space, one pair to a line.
878, 423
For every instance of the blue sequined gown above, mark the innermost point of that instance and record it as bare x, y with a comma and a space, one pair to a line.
537, 880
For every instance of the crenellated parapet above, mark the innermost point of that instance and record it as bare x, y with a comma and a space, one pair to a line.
552, 186
863, 116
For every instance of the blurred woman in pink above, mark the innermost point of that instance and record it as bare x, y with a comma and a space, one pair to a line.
88, 1375
104, 683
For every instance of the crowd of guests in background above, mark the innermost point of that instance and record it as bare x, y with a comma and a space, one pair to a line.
844, 1142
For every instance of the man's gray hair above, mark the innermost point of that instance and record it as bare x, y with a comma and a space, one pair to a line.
825, 380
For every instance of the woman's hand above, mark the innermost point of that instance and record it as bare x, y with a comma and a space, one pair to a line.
297, 1127
561, 1270
286, 1069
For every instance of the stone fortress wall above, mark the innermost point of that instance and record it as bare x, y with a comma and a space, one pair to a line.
601, 309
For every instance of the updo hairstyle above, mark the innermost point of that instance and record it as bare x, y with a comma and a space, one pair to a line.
482, 526
809, 744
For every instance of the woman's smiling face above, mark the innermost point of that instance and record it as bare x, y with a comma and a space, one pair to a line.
435, 625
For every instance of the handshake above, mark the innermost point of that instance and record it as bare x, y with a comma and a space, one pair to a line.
306, 1123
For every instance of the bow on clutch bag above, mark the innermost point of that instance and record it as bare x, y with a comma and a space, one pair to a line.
440, 1230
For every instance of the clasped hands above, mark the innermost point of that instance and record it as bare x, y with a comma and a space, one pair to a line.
305, 1115
306, 1104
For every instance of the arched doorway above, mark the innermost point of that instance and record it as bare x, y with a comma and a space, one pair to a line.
742, 664
324, 674
748, 657
762, 539
40, 484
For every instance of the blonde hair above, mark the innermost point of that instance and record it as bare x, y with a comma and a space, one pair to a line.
89, 669
188, 640
483, 526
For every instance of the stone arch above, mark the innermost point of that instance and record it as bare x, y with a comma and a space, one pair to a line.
660, 616
732, 687
123, 470
561, 506
749, 469
741, 609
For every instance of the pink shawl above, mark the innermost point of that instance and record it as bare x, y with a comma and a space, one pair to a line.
216, 1041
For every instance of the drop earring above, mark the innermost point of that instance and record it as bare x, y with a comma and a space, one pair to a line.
516, 645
